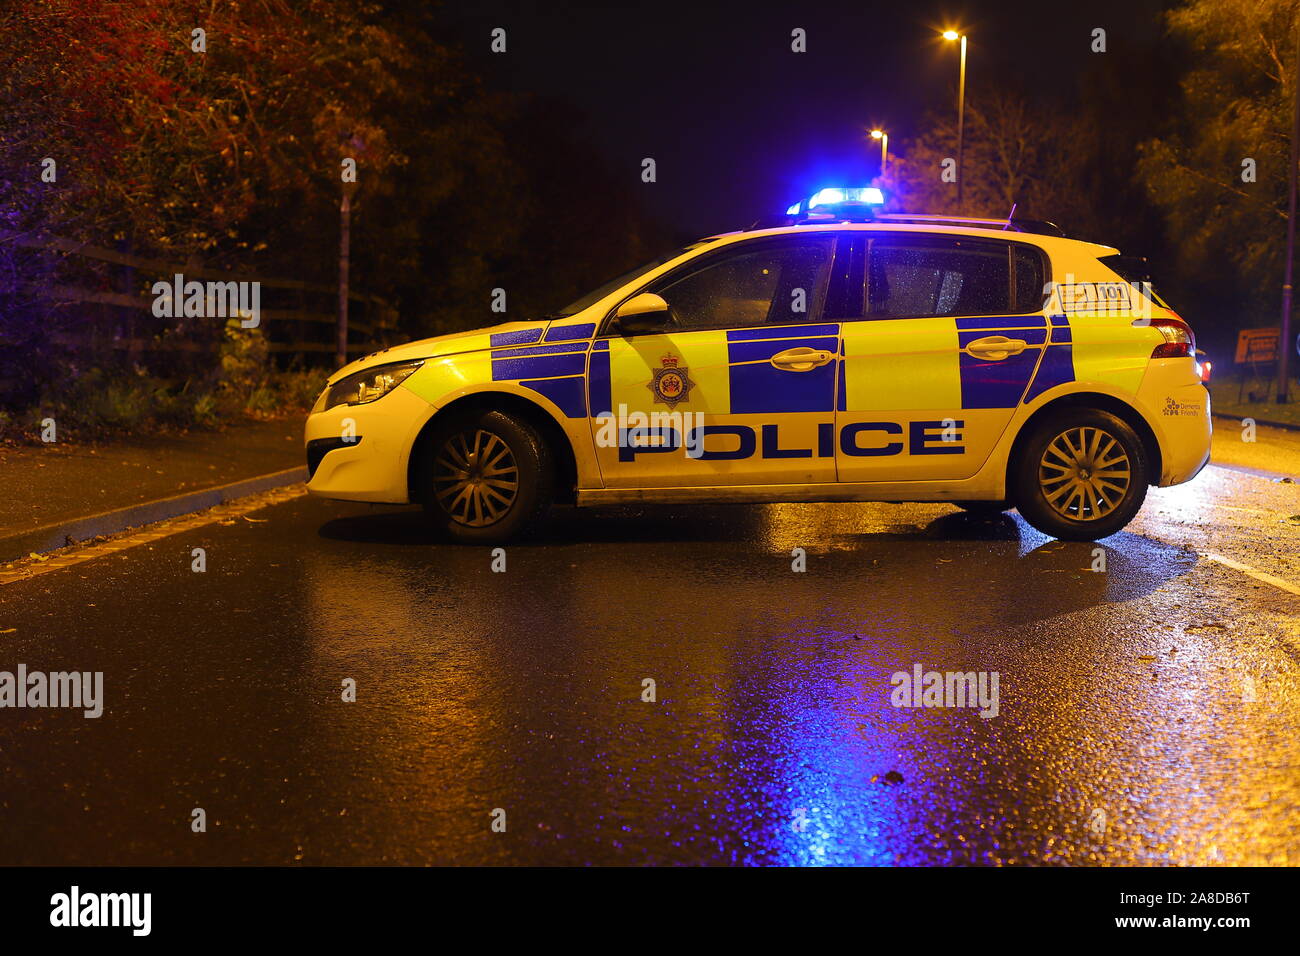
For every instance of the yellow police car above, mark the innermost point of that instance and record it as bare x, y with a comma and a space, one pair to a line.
837, 353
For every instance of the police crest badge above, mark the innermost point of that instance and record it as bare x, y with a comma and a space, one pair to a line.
671, 383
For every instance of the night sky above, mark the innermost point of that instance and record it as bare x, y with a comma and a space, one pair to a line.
739, 125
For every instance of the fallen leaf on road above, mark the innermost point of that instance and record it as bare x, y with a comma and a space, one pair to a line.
893, 777
1146, 657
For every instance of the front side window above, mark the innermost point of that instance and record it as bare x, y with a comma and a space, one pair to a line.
760, 283
937, 276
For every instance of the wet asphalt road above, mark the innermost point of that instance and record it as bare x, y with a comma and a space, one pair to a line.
1147, 713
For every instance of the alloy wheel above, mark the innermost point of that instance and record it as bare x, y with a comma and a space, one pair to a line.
475, 477
1085, 473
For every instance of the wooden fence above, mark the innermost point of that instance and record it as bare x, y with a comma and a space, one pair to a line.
300, 324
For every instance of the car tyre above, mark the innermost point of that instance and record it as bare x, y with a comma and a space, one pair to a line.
1081, 474
488, 477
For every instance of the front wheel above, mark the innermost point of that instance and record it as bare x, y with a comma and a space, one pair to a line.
1081, 475
487, 478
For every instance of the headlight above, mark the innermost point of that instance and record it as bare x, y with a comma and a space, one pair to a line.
366, 386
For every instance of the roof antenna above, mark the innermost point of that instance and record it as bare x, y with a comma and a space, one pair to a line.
1010, 217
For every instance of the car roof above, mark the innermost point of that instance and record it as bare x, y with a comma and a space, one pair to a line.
939, 225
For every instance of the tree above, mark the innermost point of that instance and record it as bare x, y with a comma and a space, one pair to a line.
1218, 173
1016, 153
177, 123
214, 134
224, 149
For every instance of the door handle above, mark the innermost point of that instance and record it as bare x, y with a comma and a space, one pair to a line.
996, 347
801, 359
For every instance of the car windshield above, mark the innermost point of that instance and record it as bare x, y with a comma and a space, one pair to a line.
595, 295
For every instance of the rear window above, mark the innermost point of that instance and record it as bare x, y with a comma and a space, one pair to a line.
1135, 270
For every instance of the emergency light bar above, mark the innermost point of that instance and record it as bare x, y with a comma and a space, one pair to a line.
834, 198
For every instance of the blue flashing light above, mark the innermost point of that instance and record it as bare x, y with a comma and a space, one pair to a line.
827, 197
821, 203
833, 195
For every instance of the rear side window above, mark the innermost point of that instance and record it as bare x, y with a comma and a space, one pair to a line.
938, 276
1030, 280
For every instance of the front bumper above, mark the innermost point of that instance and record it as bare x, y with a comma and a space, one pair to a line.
373, 467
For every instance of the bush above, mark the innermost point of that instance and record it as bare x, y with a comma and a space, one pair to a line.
101, 404
245, 361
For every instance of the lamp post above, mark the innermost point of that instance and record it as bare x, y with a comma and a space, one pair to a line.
961, 107
1284, 336
881, 135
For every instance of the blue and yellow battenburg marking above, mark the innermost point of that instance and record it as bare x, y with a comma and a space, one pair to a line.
556, 369
757, 386
1005, 383
1057, 366
574, 373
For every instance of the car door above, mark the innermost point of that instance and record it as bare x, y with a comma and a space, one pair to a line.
941, 357
738, 388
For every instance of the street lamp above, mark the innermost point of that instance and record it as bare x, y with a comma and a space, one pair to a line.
881, 135
1284, 333
961, 106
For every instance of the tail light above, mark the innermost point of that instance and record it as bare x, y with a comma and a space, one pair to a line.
1179, 341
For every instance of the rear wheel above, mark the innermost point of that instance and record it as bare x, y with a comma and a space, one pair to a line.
489, 476
1081, 475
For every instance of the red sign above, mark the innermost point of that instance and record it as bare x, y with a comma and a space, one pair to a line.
1257, 345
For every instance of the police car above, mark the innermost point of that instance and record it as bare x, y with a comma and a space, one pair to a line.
836, 353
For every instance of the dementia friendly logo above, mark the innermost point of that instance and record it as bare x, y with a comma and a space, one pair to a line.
1175, 407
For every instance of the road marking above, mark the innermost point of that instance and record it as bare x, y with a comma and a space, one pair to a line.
26, 568
1257, 575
